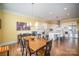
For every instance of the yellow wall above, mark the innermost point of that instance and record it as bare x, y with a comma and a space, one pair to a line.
0, 29
9, 32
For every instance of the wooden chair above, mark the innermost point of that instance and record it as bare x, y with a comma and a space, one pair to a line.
48, 48
22, 43
46, 37
19, 37
27, 46
8, 53
28, 50
39, 35
41, 52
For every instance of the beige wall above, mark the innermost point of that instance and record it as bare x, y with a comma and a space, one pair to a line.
0, 29
9, 32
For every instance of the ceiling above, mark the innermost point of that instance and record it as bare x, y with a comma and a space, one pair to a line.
50, 11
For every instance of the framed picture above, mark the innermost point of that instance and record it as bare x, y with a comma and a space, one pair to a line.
0, 23
22, 26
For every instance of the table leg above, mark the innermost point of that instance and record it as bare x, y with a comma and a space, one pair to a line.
8, 53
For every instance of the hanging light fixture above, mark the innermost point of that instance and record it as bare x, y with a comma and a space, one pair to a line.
32, 9
58, 21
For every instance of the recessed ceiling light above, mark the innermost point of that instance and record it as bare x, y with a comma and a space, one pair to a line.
68, 14
50, 13
57, 17
38, 5
36, 24
33, 3
65, 8
30, 24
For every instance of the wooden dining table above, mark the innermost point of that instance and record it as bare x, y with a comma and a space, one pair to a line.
36, 44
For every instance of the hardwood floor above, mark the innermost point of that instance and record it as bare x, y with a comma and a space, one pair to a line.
63, 49
66, 47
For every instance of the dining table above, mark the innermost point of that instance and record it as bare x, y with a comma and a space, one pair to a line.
36, 43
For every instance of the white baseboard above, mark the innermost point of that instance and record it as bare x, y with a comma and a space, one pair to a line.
7, 43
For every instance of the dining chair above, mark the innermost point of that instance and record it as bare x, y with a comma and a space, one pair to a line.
8, 53
39, 35
41, 52
45, 51
46, 37
28, 49
21, 41
19, 37
48, 48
